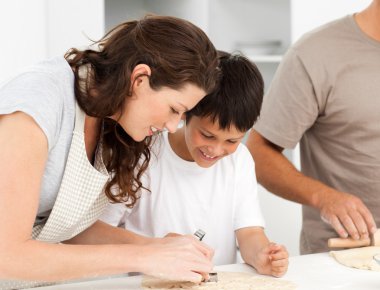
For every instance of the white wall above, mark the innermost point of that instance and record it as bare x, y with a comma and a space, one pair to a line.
73, 23
32, 30
22, 32
308, 14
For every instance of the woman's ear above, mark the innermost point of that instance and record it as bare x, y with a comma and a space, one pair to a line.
138, 72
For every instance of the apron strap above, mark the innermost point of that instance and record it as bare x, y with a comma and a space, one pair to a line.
79, 119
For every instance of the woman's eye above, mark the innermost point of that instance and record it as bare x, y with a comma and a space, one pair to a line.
231, 142
174, 111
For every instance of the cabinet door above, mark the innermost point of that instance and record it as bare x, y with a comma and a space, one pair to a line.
196, 11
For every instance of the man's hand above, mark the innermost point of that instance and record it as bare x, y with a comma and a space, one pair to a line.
347, 214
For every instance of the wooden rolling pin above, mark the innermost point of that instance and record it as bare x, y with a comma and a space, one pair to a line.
373, 240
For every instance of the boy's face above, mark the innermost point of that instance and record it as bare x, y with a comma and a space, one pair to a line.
207, 143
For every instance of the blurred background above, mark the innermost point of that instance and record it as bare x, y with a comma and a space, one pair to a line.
32, 30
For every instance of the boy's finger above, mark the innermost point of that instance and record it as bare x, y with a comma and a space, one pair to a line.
278, 273
279, 255
280, 263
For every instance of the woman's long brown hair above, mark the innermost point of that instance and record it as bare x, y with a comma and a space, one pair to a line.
177, 52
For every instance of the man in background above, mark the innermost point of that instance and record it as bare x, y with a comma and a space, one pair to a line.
326, 95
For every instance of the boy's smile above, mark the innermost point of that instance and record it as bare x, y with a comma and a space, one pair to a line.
206, 156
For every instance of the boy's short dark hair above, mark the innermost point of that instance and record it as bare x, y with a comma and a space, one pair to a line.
238, 97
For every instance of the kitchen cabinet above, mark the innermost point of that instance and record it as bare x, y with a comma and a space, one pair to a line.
260, 29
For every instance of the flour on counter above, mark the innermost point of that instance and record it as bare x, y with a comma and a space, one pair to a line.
226, 281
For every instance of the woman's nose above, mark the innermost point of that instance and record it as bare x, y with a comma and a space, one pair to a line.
172, 124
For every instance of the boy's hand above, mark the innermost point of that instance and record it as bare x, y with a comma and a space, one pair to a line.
272, 260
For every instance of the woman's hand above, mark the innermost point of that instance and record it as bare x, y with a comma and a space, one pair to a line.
181, 258
208, 252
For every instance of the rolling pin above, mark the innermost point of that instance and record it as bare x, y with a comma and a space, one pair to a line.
373, 240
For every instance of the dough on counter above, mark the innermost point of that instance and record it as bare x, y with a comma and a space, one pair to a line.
360, 258
226, 280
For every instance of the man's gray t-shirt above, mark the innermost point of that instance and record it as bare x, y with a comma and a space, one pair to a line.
326, 94
46, 93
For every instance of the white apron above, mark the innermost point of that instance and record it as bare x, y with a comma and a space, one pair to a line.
80, 200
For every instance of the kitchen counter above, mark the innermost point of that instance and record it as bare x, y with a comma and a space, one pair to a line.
311, 272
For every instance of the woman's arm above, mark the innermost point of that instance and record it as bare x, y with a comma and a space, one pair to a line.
23, 154
103, 233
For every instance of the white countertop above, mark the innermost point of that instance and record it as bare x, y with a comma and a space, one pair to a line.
311, 272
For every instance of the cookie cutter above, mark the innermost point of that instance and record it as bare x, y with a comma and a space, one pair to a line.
376, 257
213, 276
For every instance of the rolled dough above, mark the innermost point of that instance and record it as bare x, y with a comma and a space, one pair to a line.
226, 280
360, 258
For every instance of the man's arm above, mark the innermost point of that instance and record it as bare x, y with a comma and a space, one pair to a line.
346, 213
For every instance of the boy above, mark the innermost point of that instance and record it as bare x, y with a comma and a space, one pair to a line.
203, 177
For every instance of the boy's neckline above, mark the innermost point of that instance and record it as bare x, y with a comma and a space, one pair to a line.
178, 144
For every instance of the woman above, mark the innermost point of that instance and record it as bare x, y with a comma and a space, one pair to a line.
55, 183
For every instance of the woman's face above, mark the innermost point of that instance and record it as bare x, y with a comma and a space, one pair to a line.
148, 111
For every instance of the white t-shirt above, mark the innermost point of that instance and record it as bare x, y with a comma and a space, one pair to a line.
45, 92
185, 197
